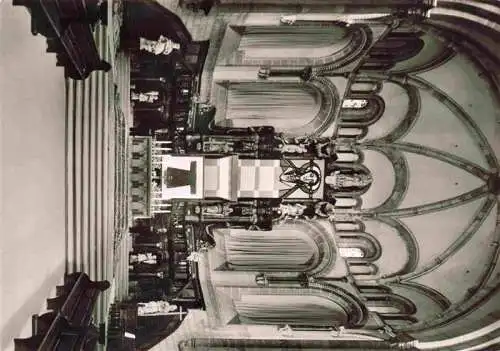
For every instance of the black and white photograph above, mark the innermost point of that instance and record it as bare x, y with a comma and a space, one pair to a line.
239, 175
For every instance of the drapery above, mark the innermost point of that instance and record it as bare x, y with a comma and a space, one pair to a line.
282, 105
289, 309
277, 250
292, 41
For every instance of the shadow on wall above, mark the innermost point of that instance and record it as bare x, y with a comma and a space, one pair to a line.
16, 323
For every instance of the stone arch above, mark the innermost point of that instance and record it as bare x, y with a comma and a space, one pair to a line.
364, 111
293, 108
365, 86
368, 248
389, 304
397, 46
363, 269
292, 45
354, 133
396, 310
317, 306
349, 170
293, 246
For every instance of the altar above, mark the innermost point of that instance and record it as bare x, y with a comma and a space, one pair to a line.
230, 178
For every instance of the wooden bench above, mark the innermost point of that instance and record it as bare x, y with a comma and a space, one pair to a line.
68, 27
68, 326
86, 11
80, 56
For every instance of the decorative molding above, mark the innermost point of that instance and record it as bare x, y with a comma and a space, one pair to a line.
401, 174
433, 294
439, 155
468, 122
411, 117
365, 116
412, 248
441, 205
474, 225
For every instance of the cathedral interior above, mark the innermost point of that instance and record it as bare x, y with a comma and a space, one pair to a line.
308, 175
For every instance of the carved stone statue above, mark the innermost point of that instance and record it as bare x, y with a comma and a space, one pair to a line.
149, 97
313, 147
285, 211
194, 257
147, 258
293, 149
290, 19
324, 209
325, 149
217, 210
162, 46
285, 331
321, 209
327, 210
155, 308
341, 181
264, 72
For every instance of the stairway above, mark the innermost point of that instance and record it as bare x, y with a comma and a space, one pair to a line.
96, 171
90, 177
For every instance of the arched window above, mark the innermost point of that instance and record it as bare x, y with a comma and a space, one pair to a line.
363, 269
358, 247
359, 111
352, 132
351, 252
365, 87
354, 103
390, 304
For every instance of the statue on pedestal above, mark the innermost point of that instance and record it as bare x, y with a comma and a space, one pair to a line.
203, 105
155, 308
308, 210
344, 181
162, 46
327, 210
288, 20
148, 97
308, 146
288, 210
147, 258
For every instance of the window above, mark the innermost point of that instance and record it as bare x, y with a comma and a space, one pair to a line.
354, 103
351, 252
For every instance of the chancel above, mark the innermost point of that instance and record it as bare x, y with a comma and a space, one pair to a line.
320, 174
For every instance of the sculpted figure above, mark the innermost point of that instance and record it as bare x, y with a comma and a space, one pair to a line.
339, 180
315, 147
154, 308
147, 258
150, 96
162, 46
291, 19
288, 210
